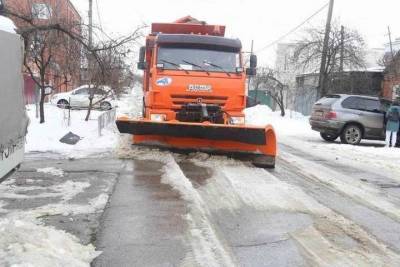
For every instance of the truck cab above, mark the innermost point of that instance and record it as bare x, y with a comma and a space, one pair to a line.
193, 77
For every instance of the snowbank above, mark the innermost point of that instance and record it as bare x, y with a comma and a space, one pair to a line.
7, 25
293, 123
25, 243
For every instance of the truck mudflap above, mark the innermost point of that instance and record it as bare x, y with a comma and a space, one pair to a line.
256, 144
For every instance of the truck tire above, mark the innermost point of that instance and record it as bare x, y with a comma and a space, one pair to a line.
351, 134
329, 137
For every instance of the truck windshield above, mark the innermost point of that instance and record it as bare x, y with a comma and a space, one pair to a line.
198, 59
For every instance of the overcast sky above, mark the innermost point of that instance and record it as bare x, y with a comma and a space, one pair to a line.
263, 21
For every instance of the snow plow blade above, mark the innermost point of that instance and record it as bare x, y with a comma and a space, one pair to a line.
255, 144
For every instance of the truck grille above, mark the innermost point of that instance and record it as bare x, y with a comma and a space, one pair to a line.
180, 100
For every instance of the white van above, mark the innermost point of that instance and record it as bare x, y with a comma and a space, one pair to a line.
13, 118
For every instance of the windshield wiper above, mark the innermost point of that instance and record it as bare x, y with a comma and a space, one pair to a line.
217, 66
174, 64
195, 65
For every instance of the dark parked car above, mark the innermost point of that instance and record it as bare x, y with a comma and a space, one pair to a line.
350, 117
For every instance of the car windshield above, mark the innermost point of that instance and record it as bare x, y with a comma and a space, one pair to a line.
198, 59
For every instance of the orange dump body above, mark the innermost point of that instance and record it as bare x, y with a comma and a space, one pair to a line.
197, 105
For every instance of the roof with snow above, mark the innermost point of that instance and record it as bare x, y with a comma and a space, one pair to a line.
7, 25
189, 19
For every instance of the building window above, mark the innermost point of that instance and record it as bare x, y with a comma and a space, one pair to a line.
41, 11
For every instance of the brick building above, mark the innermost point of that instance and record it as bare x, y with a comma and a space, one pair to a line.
391, 81
43, 12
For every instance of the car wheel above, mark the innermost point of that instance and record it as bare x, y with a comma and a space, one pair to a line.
329, 137
351, 134
105, 106
62, 103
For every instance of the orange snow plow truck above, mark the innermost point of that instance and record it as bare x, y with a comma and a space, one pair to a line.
194, 89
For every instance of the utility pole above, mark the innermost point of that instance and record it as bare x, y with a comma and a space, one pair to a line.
90, 14
390, 42
321, 83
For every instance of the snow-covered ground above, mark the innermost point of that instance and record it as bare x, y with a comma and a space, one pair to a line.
45, 137
294, 130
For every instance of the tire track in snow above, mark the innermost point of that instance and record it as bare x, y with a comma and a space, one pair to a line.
207, 249
386, 182
331, 240
358, 191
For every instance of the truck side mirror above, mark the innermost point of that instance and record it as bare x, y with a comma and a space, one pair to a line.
253, 61
252, 71
142, 64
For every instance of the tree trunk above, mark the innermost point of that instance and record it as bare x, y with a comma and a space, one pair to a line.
91, 97
89, 109
282, 111
41, 103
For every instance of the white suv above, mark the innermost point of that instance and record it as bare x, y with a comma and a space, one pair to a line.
104, 98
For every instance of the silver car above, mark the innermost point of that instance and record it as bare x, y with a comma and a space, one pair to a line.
104, 98
350, 117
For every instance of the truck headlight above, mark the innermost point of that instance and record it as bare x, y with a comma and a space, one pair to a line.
158, 117
236, 120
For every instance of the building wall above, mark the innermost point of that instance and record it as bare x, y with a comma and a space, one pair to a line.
390, 84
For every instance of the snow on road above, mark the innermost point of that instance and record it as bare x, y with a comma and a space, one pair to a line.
51, 170
235, 186
205, 244
25, 241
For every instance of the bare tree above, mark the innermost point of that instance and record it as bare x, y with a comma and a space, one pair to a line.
45, 40
113, 74
309, 51
266, 81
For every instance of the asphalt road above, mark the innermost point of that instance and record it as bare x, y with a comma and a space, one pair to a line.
209, 211
145, 223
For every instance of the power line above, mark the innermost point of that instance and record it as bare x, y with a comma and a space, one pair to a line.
98, 14
294, 29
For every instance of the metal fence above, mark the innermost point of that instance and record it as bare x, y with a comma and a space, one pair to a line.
106, 119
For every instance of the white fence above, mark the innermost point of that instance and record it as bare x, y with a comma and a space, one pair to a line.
106, 119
